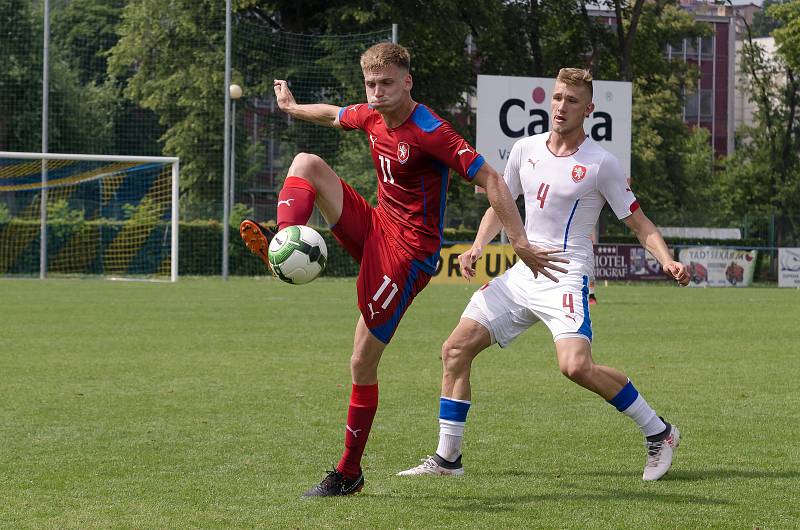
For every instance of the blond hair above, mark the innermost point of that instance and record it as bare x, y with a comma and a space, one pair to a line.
384, 54
576, 77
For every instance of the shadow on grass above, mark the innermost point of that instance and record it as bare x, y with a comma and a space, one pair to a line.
707, 474
507, 503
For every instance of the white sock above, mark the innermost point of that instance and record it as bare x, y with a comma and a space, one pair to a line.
450, 435
645, 417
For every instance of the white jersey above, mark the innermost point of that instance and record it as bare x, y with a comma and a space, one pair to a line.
565, 194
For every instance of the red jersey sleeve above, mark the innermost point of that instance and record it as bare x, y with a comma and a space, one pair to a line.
453, 150
354, 116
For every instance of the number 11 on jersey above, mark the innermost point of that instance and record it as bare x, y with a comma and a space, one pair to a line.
386, 168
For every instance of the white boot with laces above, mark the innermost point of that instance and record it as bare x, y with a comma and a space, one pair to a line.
659, 454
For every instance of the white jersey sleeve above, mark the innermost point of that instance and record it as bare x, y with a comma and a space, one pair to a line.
613, 185
511, 174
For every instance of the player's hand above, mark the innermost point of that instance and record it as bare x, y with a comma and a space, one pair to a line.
283, 95
467, 260
540, 260
678, 271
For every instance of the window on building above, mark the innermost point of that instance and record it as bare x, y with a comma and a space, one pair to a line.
691, 48
707, 47
690, 106
706, 104
699, 106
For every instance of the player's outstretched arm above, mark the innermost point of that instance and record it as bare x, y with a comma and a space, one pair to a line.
319, 113
489, 228
537, 259
648, 235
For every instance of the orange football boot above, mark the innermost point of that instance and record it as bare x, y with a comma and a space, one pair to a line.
256, 238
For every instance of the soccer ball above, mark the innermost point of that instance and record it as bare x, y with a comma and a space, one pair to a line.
297, 254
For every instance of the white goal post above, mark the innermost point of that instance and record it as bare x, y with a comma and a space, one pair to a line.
109, 213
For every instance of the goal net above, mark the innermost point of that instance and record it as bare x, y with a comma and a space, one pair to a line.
88, 215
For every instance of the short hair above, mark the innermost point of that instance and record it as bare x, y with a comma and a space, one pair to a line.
384, 54
576, 77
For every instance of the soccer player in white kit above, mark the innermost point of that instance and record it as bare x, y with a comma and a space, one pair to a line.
565, 178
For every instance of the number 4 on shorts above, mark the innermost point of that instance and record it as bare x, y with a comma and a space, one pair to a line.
567, 303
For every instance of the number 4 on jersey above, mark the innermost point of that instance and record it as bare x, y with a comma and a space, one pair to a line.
542, 195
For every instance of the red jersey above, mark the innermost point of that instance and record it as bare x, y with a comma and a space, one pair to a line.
412, 163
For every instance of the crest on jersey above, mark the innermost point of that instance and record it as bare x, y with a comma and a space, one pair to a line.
403, 150
578, 172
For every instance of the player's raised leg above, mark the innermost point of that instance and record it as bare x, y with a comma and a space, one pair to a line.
465, 342
575, 361
310, 180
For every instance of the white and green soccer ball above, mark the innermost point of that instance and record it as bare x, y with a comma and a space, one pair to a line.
298, 254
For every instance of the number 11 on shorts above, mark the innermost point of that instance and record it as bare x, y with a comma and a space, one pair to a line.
382, 288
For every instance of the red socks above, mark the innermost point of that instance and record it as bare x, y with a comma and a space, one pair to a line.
363, 404
295, 202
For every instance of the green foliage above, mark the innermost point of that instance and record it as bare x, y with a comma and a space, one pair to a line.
60, 212
763, 174
353, 151
239, 213
94, 116
5, 215
697, 163
20, 77
173, 68
661, 149
146, 213
787, 35
83, 31
144, 76
763, 24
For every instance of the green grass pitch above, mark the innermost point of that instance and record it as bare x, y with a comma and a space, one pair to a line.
210, 404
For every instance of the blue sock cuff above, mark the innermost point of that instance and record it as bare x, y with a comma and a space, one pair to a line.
625, 397
453, 410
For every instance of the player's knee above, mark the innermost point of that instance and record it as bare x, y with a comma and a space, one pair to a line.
455, 357
577, 369
360, 362
305, 165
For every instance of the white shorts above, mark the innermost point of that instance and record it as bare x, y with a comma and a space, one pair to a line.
514, 301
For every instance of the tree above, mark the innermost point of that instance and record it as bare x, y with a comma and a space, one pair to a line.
660, 144
171, 56
763, 24
763, 175
625, 40
77, 115
82, 32
20, 77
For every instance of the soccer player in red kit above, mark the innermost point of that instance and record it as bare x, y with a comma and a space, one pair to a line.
397, 242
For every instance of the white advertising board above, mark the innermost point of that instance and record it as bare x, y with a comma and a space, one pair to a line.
510, 108
789, 267
719, 266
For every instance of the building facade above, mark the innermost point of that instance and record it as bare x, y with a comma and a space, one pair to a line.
711, 104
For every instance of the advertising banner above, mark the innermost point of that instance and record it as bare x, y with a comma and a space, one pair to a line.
495, 261
612, 262
627, 263
719, 266
510, 108
789, 267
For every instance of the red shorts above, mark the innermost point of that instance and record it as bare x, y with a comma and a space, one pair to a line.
388, 279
